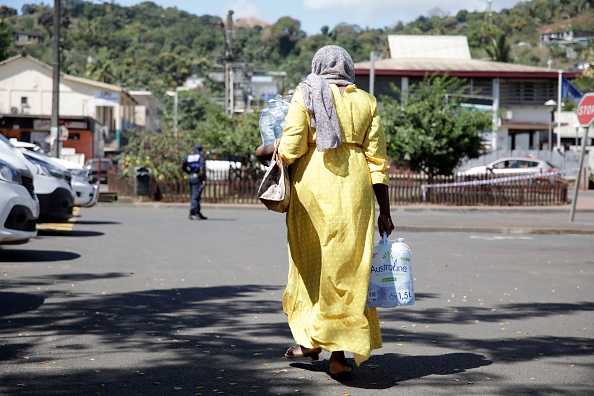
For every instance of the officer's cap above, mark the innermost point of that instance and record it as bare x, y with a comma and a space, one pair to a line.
198, 147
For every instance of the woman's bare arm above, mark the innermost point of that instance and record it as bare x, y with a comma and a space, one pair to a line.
264, 153
384, 220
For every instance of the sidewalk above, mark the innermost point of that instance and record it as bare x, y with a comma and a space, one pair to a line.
500, 219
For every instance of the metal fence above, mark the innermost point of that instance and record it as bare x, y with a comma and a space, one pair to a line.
405, 189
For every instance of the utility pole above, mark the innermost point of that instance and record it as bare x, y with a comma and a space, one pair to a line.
229, 60
373, 55
489, 14
55, 121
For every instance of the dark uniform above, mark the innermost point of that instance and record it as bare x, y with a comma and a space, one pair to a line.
195, 166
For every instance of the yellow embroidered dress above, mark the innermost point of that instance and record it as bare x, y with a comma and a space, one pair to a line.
330, 223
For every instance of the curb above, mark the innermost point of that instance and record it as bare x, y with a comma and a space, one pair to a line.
501, 230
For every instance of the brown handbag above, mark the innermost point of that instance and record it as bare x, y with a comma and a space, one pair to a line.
275, 189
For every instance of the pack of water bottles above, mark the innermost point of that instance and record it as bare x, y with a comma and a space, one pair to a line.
390, 281
272, 120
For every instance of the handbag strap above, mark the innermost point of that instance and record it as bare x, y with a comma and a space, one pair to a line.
275, 157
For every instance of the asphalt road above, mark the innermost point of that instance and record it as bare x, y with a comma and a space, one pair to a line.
138, 300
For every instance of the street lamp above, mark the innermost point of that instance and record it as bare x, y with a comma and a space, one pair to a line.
551, 105
175, 102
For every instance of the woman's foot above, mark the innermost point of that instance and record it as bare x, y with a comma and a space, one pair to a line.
299, 351
340, 369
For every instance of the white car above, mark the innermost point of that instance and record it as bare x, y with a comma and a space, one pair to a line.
511, 165
52, 187
19, 206
87, 194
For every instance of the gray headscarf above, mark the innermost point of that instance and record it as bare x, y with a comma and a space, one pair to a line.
330, 65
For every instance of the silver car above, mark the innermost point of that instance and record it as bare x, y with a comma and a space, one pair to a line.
512, 165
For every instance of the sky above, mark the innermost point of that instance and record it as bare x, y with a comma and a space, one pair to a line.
314, 14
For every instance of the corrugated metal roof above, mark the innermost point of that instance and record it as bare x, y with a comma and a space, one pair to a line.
456, 67
68, 77
449, 64
435, 47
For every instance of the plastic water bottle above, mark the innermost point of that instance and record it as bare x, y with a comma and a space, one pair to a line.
382, 286
403, 272
267, 127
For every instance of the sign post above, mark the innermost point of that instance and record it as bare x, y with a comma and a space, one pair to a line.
585, 113
63, 133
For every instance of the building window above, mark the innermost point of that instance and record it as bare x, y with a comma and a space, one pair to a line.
24, 101
527, 92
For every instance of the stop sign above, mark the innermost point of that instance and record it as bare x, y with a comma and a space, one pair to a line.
585, 110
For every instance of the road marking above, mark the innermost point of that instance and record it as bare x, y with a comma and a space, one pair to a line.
498, 237
66, 226
55, 226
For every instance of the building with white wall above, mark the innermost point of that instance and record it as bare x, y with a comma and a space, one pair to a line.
516, 94
26, 86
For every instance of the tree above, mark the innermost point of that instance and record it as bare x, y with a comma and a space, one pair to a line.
233, 137
430, 129
7, 12
102, 69
462, 16
5, 40
499, 51
585, 83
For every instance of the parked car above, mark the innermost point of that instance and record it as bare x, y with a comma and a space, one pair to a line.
19, 206
86, 194
52, 186
103, 165
512, 165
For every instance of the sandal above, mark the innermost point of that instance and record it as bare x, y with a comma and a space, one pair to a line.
345, 375
296, 351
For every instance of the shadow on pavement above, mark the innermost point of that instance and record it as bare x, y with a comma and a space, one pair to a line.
49, 280
224, 339
12, 303
386, 371
72, 233
469, 315
35, 256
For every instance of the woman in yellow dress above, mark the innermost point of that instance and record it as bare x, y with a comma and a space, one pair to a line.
336, 149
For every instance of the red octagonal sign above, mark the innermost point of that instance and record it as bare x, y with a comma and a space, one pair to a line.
585, 110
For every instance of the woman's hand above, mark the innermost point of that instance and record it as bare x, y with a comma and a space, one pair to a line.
384, 223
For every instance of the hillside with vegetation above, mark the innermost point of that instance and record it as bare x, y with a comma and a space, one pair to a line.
150, 47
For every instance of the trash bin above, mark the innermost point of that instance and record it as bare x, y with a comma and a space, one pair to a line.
143, 180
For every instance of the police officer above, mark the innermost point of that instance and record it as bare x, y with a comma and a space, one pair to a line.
195, 166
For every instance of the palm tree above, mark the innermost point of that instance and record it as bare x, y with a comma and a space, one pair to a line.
500, 50
102, 70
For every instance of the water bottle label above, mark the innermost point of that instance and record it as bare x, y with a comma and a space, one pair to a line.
390, 282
